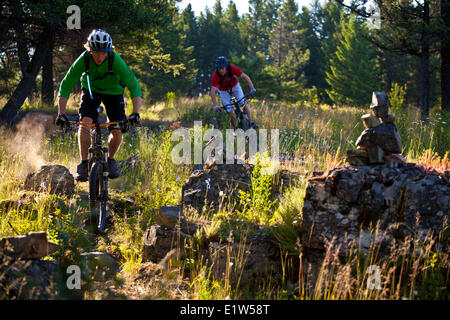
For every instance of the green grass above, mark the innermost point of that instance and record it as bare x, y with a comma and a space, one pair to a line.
318, 134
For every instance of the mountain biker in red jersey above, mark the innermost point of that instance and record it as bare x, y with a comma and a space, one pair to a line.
104, 77
225, 81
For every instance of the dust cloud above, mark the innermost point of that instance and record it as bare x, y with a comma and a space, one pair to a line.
26, 144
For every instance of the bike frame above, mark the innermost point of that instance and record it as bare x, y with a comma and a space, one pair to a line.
98, 154
237, 107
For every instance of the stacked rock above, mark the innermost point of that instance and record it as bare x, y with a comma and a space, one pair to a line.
379, 142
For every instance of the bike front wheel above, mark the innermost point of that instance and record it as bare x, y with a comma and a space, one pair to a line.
244, 124
97, 197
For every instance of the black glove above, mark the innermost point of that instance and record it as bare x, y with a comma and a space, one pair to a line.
134, 118
62, 120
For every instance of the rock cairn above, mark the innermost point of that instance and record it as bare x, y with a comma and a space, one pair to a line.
380, 141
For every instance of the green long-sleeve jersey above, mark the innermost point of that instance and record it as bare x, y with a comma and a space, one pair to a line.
99, 79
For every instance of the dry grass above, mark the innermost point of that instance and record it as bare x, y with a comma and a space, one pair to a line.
432, 162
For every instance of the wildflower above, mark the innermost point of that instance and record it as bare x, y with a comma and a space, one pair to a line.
221, 193
43, 184
178, 179
208, 181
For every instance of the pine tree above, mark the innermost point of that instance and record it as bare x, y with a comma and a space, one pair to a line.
315, 68
409, 27
257, 25
179, 77
288, 52
353, 71
189, 28
230, 22
211, 45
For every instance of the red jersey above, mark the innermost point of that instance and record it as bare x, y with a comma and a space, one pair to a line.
226, 82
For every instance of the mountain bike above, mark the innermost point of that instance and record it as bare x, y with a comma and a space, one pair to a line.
98, 171
241, 117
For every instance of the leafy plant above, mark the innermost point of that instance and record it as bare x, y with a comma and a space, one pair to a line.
258, 205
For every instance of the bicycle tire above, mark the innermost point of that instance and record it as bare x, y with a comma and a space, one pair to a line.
97, 205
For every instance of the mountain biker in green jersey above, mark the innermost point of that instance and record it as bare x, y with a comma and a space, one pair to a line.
104, 76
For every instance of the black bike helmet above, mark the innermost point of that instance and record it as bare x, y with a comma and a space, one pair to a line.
221, 62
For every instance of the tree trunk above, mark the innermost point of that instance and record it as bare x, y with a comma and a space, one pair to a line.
424, 76
445, 56
25, 85
279, 55
424, 83
47, 75
22, 49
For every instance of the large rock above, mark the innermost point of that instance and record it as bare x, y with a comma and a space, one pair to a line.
208, 188
384, 136
101, 264
29, 246
247, 263
158, 241
351, 199
55, 179
168, 216
28, 279
169, 233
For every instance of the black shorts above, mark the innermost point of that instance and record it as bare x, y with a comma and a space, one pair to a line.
114, 105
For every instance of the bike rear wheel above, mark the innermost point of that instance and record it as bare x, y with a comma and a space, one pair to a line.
97, 197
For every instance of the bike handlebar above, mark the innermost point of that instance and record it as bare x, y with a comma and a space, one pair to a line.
93, 125
247, 96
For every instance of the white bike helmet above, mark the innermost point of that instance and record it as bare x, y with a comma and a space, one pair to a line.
100, 40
